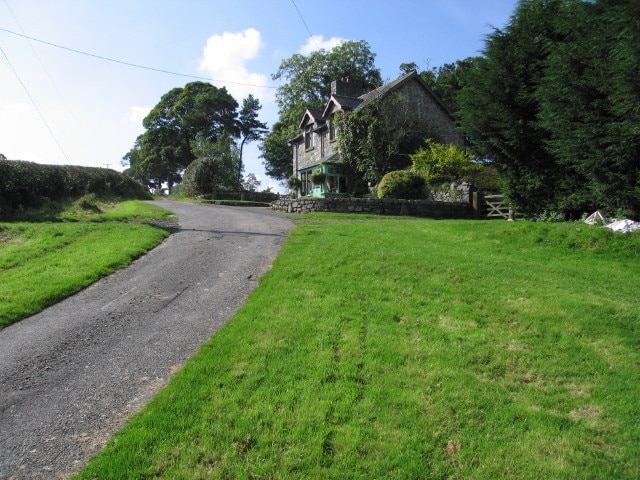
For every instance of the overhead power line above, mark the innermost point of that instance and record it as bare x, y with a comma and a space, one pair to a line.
44, 120
135, 65
44, 68
305, 24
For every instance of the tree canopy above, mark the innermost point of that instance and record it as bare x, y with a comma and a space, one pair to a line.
307, 84
276, 152
183, 114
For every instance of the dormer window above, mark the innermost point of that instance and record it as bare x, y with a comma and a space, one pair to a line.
308, 137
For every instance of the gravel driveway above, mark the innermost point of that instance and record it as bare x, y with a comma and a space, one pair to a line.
72, 374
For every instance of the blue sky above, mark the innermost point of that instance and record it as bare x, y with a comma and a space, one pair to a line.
61, 107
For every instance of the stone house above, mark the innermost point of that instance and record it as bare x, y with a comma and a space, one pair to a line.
315, 149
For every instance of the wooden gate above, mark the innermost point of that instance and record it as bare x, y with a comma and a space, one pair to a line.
492, 206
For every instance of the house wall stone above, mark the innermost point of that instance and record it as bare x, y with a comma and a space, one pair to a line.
310, 157
429, 115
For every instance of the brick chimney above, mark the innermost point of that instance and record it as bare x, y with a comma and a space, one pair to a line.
345, 87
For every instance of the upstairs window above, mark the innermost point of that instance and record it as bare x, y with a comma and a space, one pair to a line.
308, 137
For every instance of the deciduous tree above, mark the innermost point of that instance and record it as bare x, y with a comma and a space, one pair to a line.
446, 81
251, 182
164, 149
377, 139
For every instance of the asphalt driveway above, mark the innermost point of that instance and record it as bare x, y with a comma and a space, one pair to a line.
71, 375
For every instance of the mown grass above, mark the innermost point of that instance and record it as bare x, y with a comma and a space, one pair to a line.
43, 262
406, 349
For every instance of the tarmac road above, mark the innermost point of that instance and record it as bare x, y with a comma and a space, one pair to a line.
71, 375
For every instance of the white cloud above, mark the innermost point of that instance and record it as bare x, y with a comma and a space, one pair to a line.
318, 42
225, 57
137, 114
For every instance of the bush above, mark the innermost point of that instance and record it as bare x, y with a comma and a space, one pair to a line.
486, 179
199, 178
437, 161
402, 184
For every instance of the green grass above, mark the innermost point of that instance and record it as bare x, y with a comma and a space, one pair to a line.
409, 348
41, 263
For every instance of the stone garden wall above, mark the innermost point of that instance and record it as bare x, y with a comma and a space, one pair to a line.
418, 208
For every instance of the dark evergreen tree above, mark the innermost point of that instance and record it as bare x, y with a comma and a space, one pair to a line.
499, 107
251, 129
554, 103
589, 103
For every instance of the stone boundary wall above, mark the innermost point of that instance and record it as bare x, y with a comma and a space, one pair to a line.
418, 208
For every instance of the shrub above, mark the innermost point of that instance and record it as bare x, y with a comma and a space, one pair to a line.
199, 178
437, 161
487, 178
402, 184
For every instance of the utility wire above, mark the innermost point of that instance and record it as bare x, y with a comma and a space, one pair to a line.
305, 25
100, 57
44, 120
35, 52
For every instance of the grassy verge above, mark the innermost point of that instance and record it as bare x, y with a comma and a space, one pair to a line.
407, 348
40, 263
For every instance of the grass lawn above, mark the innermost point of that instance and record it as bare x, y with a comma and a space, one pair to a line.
40, 263
403, 348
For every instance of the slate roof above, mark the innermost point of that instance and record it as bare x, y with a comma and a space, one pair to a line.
346, 103
315, 114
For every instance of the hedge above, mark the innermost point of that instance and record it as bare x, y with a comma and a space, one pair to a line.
30, 185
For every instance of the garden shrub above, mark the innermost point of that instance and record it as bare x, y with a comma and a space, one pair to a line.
402, 184
437, 161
